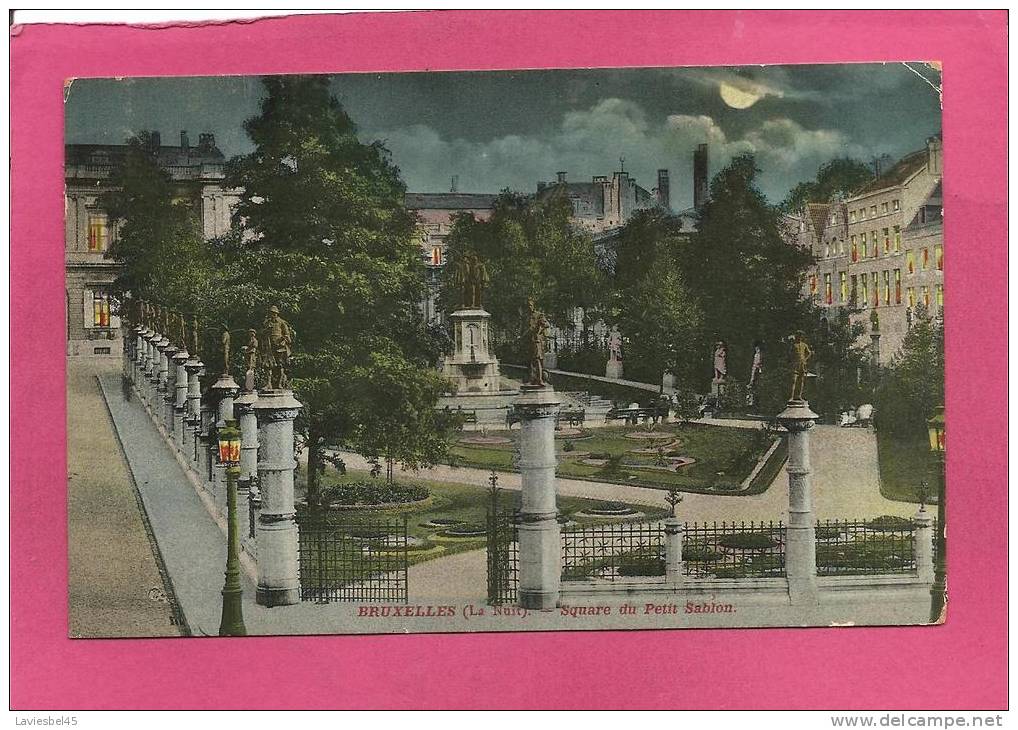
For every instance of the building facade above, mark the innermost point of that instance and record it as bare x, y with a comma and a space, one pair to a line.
881, 249
93, 328
606, 204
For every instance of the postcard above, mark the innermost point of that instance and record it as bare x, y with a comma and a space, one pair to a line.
616, 348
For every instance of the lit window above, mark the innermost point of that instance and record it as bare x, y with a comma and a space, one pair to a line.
926, 259
875, 286
97, 309
855, 249
940, 295
97, 232
910, 292
812, 283
925, 294
895, 205
887, 287
897, 239
910, 261
897, 286
828, 293
436, 256
865, 298
862, 214
865, 248
843, 286
938, 252
887, 240
873, 243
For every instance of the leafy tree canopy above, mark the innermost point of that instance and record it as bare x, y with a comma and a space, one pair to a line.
842, 175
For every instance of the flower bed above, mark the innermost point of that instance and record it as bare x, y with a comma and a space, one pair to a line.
375, 495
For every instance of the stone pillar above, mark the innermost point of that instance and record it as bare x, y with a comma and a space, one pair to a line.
276, 532
540, 549
923, 537
224, 390
674, 570
195, 369
170, 388
150, 366
243, 407
139, 355
180, 396
800, 535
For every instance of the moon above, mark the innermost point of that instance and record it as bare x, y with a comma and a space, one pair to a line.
738, 97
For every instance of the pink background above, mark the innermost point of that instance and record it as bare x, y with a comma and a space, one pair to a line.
955, 666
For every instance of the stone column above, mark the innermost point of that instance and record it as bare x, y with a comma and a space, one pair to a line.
923, 537
674, 571
195, 369
136, 354
170, 388
800, 535
180, 396
224, 390
243, 407
540, 549
150, 369
276, 532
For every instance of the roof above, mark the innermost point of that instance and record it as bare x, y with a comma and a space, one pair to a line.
901, 171
817, 214
167, 155
450, 201
931, 212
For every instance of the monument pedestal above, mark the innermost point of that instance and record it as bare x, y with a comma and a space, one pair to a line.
613, 369
471, 366
800, 535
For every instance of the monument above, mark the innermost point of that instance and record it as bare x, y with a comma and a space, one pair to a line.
471, 366
614, 367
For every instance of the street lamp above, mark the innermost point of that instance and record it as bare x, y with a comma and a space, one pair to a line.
232, 623
935, 426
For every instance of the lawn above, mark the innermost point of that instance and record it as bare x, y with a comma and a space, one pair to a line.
903, 464
468, 505
724, 457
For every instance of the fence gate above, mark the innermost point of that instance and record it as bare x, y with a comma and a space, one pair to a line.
503, 557
352, 560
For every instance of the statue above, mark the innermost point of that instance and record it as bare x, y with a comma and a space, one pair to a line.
250, 351
801, 352
194, 337
226, 351
536, 327
615, 345
181, 331
471, 276
757, 367
157, 316
720, 361
279, 336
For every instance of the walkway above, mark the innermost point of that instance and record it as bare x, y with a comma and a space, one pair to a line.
115, 588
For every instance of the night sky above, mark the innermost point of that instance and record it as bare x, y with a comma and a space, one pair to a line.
497, 130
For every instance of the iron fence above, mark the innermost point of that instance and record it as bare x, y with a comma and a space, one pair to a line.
503, 557
734, 550
866, 547
362, 560
613, 552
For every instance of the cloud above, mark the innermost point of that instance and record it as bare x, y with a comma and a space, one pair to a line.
590, 141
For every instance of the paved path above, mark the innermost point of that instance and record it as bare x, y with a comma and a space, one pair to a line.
115, 587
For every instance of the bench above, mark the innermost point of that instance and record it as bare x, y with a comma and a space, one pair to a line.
634, 415
572, 416
465, 416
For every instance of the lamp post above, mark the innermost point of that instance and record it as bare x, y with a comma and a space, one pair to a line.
232, 623
935, 426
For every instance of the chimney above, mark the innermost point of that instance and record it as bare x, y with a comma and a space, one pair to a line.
935, 155
561, 177
184, 143
664, 195
454, 184
206, 141
157, 140
701, 176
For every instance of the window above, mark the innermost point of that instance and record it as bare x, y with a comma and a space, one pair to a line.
897, 239
938, 253
895, 205
812, 283
925, 259
940, 295
436, 256
865, 248
97, 240
862, 214
887, 287
887, 241
828, 294
925, 295
851, 216
873, 242
875, 286
910, 292
854, 289
883, 208
873, 211
855, 250
97, 309
827, 249
865, 298
910, 261
897, 286
843, 286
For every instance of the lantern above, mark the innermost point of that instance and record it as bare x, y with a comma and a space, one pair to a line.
229, 444
935, 426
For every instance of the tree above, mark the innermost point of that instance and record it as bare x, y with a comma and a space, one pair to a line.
322, 232
530, 249
913, 386
650, 302
842, 175
745, 274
